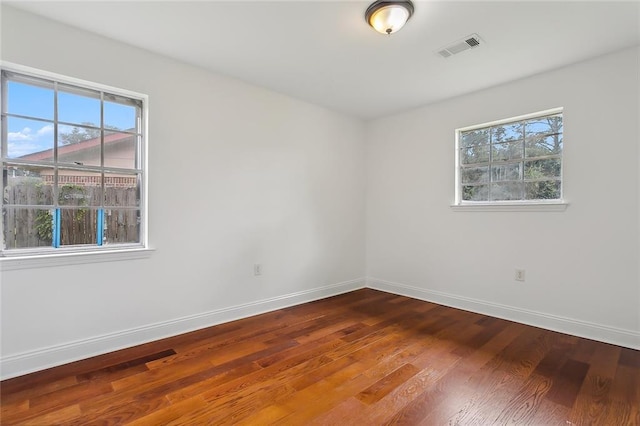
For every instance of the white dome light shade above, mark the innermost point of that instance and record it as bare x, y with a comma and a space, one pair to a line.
387, 17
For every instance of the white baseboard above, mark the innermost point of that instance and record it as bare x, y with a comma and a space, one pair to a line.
616, 336
28, 362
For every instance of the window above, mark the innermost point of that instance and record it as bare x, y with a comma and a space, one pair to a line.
517, 160
73, 170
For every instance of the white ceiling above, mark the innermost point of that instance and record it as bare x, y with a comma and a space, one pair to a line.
325, 53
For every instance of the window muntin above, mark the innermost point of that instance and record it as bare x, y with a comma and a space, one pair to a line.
515, 160
72, 164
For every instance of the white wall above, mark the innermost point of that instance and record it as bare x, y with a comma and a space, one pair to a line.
238, 175
581, 264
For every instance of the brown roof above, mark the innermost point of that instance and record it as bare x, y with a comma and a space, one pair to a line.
113, 138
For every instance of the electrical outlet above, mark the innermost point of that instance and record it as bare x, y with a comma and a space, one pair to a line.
257, 269
519, 275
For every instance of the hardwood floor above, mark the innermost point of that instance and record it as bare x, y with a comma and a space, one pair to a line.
362, 358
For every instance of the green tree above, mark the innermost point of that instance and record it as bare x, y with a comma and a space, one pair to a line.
80, 134
528, 151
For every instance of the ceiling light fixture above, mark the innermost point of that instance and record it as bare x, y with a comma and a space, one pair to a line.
387, 17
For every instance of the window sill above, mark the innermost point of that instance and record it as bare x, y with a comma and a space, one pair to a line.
511, 207
65, 259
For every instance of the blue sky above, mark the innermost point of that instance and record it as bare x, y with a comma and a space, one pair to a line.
27, 136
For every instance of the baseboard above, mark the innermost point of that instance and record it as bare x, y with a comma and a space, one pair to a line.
616, 336
28, 362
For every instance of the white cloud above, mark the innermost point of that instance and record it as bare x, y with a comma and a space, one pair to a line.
45, 130
27, 141
23, 148
63, 128
27, 134
23, 135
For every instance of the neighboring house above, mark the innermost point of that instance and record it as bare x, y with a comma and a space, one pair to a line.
119, 152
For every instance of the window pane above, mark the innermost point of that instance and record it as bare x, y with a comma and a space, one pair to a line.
543, 126
541, 169
475, 174
28, 185
121, 190
79, 188
542, 190
507, 132
29, 139
120, 150
525, 161
27, 227
539, 146
506, 151
78, 226
474, 137
475, 192
475, 154
79, 106
79, 145
29, 100
121, 226
506, 172
503, 191
119, 116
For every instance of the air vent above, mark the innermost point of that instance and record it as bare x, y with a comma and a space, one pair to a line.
470, 42
473, 42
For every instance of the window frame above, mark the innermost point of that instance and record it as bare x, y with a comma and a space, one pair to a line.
85, 253
556, 204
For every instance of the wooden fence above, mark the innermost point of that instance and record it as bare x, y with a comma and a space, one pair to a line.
32, 227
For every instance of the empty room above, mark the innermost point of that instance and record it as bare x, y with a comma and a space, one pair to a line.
320, 212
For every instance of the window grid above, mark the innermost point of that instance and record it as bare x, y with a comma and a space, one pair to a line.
517, 160
111, 193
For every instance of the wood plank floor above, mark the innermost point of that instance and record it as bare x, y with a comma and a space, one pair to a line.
362, 358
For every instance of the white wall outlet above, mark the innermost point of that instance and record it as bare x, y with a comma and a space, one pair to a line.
257, 269
519, 275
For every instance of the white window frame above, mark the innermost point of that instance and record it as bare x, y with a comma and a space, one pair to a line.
459, 204
33, 257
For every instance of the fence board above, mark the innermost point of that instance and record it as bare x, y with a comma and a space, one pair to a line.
78, 218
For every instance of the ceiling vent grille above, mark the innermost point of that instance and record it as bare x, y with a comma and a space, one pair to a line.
469, 42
